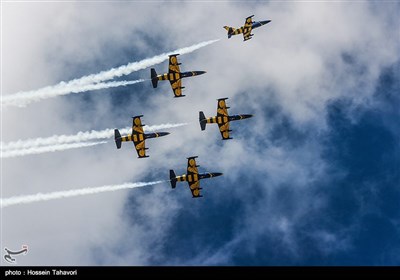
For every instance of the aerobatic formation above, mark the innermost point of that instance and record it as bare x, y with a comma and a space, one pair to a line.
223, 119
138, 135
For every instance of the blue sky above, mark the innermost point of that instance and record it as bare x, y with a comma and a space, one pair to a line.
312, 179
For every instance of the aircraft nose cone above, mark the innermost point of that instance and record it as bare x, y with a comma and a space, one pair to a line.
265, 22
200, 72
163, 134
247, 116
217, 174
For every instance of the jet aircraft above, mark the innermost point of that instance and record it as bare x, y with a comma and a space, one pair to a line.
192, 177
138, 137
249, 25
174, 75
222, 119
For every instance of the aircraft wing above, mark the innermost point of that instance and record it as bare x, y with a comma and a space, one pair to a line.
222, 110
222, 118
174, 73
224, 129
193, 177
137, 126
176, 87
138, 137
248, 25
173, 64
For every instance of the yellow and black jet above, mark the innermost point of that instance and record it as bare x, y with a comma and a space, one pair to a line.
174, 75
192, 177
246, 29
222, 119
138, 137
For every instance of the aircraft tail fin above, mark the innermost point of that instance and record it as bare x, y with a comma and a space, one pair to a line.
117, 137
202, 120
172, 178
230, 30
154, 79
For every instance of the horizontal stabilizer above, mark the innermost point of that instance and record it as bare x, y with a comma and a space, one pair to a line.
172, 178
154, 79
202, 120
230, 30
118, 139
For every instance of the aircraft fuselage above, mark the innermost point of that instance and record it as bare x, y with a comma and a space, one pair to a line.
196, 177
155, 135
174, 76
259, 23
225, 119
141, 137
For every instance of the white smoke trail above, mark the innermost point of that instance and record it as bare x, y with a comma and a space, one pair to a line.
46, 149
139, 65
21, 99
87, 82
16, 200
160, 126
79, 137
